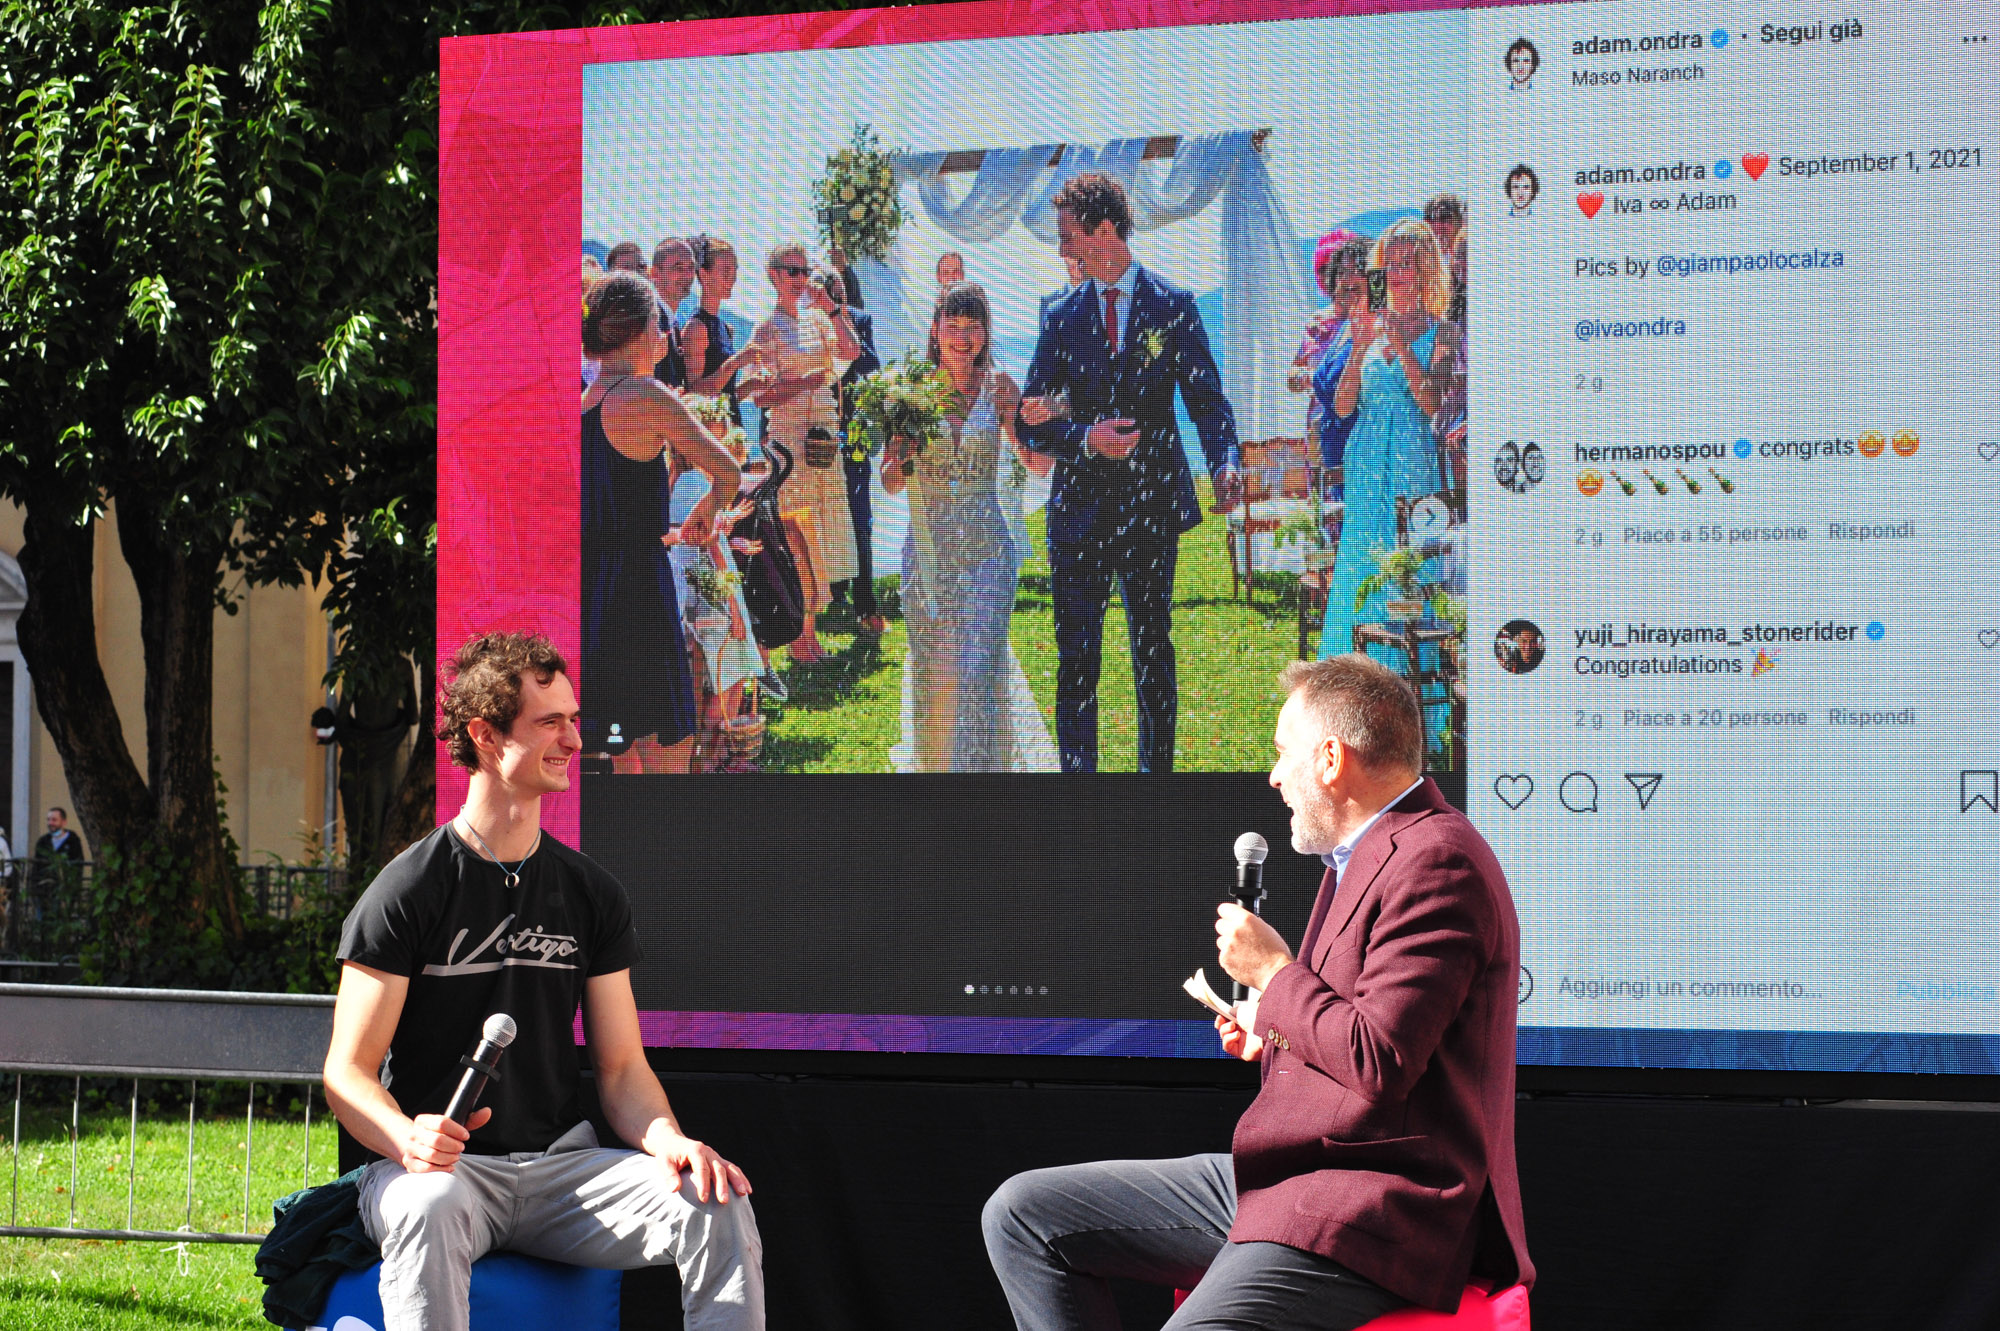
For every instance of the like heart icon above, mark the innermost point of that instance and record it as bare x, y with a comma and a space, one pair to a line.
1590, 203
1754, 164
1989, 638
1513, 791
1987, 452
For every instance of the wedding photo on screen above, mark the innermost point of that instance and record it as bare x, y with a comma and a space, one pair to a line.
976, 406
1051, 394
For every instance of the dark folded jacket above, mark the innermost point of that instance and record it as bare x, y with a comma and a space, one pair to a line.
317, 1237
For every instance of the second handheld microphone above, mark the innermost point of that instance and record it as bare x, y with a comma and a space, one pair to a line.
481, 1066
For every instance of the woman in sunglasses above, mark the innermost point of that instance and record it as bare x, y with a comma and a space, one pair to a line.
807, 344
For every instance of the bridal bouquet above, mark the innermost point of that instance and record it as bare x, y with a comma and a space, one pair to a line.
856, 198
905, 400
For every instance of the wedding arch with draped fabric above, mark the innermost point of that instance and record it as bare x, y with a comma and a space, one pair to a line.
1266, 294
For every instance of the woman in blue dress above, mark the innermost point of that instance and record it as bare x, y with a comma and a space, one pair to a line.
1392, 385
637, 688
710, 346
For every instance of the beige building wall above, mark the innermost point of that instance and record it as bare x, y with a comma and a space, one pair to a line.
269, 658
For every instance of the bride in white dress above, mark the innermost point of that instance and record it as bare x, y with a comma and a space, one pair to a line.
966, 705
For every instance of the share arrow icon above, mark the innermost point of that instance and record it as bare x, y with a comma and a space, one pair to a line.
1646, 785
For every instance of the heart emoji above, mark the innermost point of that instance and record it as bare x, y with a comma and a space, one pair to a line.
1989, 638
1987, 452
1755, 163
1590, 203
1742, 448
1513, 790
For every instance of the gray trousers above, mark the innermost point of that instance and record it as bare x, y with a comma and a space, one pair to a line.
574, 1203
1057, 1236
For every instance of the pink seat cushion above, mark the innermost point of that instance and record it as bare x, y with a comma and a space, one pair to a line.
1502, 1310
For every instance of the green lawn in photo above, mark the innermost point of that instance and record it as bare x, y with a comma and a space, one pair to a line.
101, 1285
844, 713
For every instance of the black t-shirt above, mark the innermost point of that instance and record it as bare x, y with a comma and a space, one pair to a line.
443, 915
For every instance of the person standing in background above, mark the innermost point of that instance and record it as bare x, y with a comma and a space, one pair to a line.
672, 275
707, 342
1074, 270
837, 259
1345, 276
636, 438
1393, 384
1325, 326
861, 587
808, 342
58, 865
1444, 214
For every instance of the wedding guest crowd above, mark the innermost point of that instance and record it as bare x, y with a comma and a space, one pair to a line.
677, 658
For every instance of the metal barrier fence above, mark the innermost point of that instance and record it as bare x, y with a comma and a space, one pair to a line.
44, 903
159, 1035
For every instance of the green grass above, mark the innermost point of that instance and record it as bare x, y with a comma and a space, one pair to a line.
98, 1285
844, 712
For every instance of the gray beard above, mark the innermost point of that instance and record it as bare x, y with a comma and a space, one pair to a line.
1312, 832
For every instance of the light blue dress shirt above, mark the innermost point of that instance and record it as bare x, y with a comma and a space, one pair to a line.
1337, 858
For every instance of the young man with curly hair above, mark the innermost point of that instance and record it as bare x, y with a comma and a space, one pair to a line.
486, 915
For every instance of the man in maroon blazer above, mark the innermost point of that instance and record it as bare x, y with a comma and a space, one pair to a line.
1376, 1166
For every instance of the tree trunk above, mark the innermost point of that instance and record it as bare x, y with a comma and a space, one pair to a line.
177, 632
58, 633
413, 812
377, 711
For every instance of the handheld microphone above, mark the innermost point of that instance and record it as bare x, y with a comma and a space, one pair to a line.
481, 1066
1250, 852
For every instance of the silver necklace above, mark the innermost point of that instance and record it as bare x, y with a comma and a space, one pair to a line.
513, 875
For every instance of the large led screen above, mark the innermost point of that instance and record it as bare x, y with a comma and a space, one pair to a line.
1621, 379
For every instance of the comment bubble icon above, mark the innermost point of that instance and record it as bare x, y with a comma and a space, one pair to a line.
1578, 792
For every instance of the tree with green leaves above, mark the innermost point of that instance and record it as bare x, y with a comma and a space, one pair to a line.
217, 255
218, 331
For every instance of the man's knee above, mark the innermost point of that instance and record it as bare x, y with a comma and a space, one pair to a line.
432, 1204
1007, 1217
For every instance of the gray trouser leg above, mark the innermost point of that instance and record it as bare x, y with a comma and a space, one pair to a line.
1057, 1236
586, 1207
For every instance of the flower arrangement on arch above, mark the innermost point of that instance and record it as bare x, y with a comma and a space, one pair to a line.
856, 198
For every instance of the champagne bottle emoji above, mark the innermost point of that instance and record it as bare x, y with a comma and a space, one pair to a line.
1728, 486
1624, 484
1658, 484
1693, 485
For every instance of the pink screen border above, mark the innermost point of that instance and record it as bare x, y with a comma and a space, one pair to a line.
510, 208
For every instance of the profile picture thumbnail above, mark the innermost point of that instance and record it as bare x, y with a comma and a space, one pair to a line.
1522, 188
1519, 468
1521, 61
1518, 647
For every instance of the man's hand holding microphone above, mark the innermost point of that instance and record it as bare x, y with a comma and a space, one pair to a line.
1248, 948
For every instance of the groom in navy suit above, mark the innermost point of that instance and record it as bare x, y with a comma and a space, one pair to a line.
1117, 347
